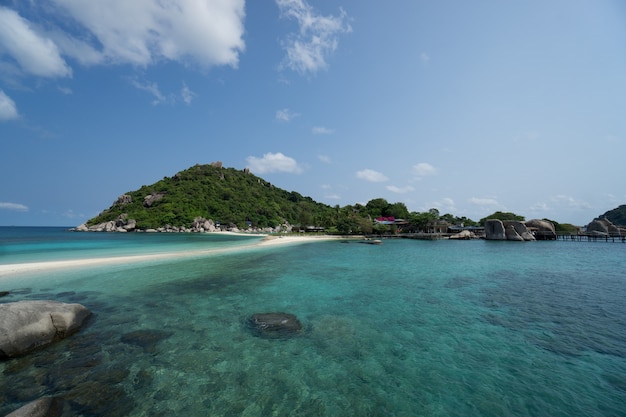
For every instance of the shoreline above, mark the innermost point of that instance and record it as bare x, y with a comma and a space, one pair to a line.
7, 270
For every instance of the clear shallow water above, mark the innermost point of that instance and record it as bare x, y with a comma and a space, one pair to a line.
406, 328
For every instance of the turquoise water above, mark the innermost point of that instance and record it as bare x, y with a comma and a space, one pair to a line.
407, 328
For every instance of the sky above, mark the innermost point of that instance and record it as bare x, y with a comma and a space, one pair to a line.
466, 107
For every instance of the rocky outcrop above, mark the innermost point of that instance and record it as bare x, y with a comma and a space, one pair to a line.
123, 200
494, 230
29, 325
43, 407
508, 230
274, 325
464, 235
150, 199
541, 229
203, 225
604, 227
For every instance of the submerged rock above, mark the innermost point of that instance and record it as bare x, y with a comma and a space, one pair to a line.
43, 407
274, 325
29, 325
145, 339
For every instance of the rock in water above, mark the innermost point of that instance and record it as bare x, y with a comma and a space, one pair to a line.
146, 339
274, 325
43, 407
28, 325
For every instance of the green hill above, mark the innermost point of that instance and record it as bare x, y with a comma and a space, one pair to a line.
617, 216
225, 195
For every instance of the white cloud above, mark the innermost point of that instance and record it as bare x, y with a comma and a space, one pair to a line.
8, 110
138, 32
400, 190
317, 38
141, 32
332, 197
35, 53
371, 175
424, 57
152, 88
286, 115
540, 206
446, 204
570, 201
320, 130
424, 169
324, 158
186, 94
13, 207
273, 162
65, 90
484, 201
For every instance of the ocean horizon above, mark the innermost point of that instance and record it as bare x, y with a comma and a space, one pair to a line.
406, 328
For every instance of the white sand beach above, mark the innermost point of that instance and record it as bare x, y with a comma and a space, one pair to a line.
270, 240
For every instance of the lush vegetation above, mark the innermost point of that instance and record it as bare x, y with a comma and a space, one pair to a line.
225, 195
238, 198
616, 216
503, 216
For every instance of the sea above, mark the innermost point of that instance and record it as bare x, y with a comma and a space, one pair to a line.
405, 328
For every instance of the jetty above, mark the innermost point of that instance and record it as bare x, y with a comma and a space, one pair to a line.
591, 237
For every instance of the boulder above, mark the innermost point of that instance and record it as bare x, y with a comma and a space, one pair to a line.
274, 325
464, 235
29, 325
150, 199
511, 233
43, 407
540, 225
604, 226
520, 229
123, 200
494, 230
541, 229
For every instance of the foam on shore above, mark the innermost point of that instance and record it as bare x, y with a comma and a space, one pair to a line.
270, 240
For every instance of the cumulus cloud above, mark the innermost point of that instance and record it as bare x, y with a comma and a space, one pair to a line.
286, 115
151, 88
484, 201
8, 109
186, 94
424, 169
138, 32
371, 175
445, 204
141, 32
13, 206
273, 162
320, 130
400, 190
324, 158
318, 36
35, 53
569, 201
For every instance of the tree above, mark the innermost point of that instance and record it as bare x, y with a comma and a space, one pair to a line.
499, 215
377, 207
397, 210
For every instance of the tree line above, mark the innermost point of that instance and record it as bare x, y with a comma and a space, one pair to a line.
236, 198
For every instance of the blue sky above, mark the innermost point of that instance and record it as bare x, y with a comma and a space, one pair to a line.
467, 107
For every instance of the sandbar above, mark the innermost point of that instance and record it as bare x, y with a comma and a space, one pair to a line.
269, 240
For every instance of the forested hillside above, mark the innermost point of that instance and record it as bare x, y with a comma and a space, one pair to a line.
225, 195
616, 216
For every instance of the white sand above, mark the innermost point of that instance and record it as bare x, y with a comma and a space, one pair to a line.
11, 269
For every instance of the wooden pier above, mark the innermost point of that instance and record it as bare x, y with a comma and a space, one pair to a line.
582, 237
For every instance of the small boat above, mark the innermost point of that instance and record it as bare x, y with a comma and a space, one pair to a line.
373, 241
